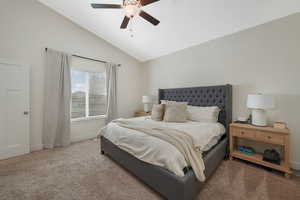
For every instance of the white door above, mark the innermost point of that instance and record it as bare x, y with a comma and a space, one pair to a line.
14, 110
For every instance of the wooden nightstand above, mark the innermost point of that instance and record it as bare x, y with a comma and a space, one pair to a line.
265, 135
141, 114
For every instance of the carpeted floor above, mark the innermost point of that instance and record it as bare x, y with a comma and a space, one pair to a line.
79, 172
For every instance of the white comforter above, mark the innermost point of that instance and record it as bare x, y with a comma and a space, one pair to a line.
158, 152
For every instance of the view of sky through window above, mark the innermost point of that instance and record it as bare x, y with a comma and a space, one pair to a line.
88, 94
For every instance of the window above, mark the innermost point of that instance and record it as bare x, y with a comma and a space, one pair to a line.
88, 89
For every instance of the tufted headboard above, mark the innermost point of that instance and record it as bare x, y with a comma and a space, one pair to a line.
220, 96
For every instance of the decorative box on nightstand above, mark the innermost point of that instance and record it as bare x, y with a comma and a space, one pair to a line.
263, 135
142, 114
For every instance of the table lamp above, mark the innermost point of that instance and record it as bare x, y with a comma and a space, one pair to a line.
147, 101
259, 103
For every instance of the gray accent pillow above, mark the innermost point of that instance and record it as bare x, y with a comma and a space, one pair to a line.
158, 111
175, 113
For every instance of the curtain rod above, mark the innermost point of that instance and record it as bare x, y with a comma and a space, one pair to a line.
119, 65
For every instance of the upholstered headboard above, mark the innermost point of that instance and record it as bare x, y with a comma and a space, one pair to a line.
220, 96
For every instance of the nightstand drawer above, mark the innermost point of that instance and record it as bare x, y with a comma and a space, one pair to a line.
269, 137
244, 133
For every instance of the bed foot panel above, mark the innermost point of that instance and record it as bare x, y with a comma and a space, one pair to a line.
159, 179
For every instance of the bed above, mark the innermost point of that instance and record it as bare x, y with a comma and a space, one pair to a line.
166, 183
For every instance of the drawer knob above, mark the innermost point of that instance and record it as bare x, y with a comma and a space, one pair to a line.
269, 137
242, 132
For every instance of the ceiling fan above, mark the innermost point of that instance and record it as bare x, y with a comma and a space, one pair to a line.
132, 8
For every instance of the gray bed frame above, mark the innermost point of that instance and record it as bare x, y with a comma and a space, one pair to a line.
166, 183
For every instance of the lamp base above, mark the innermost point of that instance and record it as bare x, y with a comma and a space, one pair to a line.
259, 117
147, 107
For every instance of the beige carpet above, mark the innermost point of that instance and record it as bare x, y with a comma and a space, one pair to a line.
79, 172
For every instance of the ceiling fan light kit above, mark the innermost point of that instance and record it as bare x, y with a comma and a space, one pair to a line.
132, 8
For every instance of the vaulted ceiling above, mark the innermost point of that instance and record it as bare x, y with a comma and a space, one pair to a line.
183, 23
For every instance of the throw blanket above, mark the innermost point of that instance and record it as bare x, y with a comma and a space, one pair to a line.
183, 142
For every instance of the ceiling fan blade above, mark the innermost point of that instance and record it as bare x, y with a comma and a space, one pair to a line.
94, 5
146, 2
125, 22
149, 18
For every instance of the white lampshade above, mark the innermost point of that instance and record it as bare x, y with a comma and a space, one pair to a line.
147, 99
260, 101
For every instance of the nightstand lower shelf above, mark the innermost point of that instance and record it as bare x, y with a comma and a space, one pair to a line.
258, 158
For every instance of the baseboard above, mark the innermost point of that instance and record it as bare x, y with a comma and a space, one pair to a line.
36, 147
295, 165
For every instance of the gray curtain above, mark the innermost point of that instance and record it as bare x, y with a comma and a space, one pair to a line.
56, 127
111, 88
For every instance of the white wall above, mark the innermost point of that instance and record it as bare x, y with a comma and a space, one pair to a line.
263, 59
27, 27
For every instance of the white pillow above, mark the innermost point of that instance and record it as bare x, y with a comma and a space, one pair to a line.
172, 102
203, 114
163, 101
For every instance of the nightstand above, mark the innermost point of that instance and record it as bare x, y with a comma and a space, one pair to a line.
142, 114
263, 135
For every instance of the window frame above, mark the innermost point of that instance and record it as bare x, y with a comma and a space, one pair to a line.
87, 117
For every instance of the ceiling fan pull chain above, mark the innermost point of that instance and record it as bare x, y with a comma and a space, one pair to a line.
131, 23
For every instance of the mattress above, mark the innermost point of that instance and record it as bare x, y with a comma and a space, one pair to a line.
158, 152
